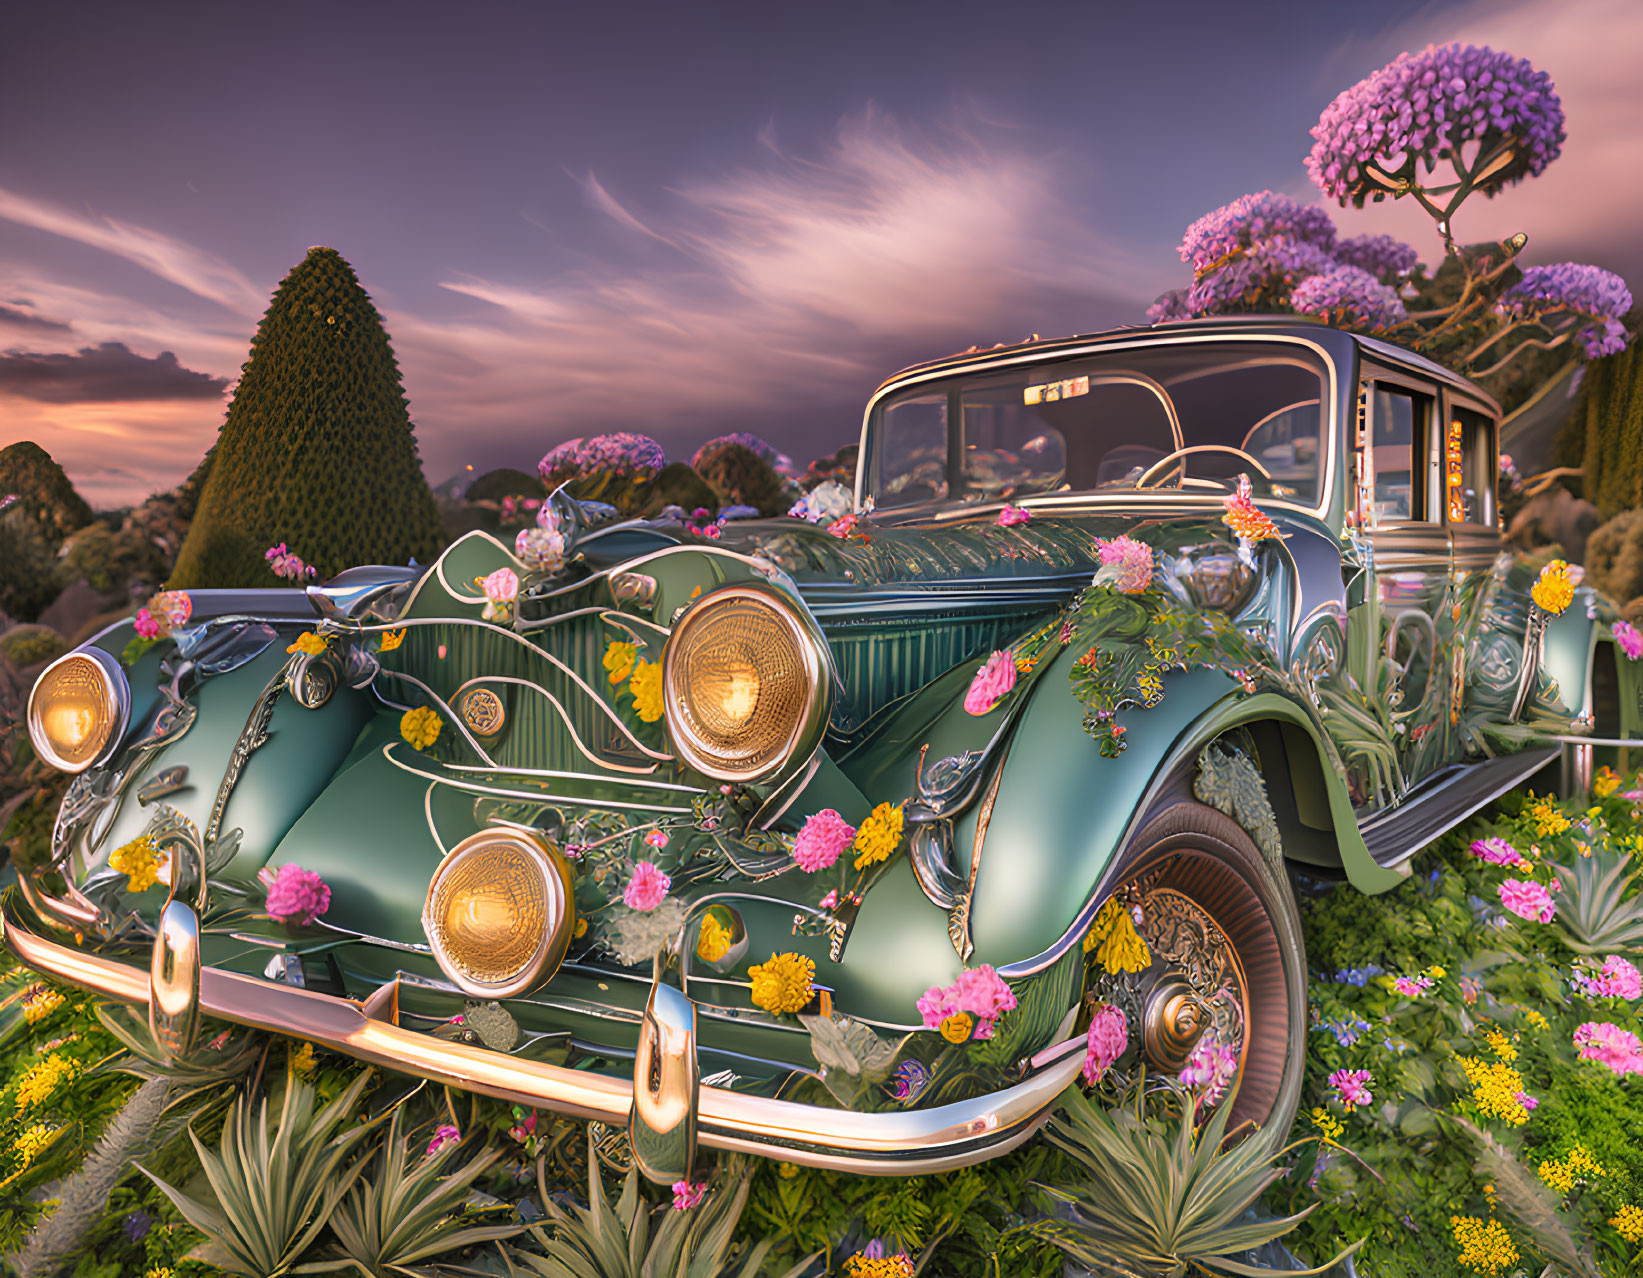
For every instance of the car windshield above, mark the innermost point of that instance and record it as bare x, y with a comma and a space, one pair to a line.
1190, 417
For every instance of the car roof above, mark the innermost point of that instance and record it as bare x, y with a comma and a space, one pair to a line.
1278, 325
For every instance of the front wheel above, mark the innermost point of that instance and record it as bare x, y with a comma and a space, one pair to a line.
1227, 978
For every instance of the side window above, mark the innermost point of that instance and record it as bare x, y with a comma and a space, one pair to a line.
1400, 438
911, 451
1469, 467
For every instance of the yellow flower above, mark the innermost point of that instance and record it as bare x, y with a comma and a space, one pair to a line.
310, 643
1536, 1019
1500, 1045
878, 836
1556, 1175
862, 1266
1629, 1221
43, 1080
140, 861
391, 639
161, 1271
1495, 1090
646, 687
1548, 820
1437, 973
420, 727
714, 941
956, 1028
620, 659
40, 1002
787, 1170
32, 1143
1554, 589
1330, 1126
302, 1060
1605, 783
784, 984
1118, 946
1484, 1244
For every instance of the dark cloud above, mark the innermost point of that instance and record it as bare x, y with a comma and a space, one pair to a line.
103, 374
15, 318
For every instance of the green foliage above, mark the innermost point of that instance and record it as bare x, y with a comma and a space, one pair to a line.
46, 498
740, 477
494, 485
1614, 557
599, 1241
316, 450
30, 574
270, 1196
1160, 1194
402, 1212
676, 484
106, 558
1610, 416
26, 645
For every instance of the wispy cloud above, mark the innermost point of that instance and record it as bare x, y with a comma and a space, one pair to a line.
105, 374
203, 274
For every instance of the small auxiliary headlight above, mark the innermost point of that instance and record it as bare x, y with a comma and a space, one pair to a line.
500, 913
78, 709
744, 684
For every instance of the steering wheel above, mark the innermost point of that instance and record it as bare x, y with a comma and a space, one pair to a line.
1180, 454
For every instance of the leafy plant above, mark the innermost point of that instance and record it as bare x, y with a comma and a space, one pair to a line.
1594, 911
273, 1195
225, 1058
403, 1212
598, 1241
1162, 1195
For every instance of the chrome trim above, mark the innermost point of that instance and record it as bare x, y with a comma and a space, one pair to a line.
475, 787
174, 981
479, 680
574, 776
117, 693
1143, 340
905, 1142
666, 1085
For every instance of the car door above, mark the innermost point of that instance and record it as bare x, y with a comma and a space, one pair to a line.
1410, 666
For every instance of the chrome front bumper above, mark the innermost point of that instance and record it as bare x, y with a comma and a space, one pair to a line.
902, 1143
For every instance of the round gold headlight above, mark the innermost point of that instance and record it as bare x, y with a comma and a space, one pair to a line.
500, 913
78, 709
743, 684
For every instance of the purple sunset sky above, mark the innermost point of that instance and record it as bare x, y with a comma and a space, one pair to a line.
677, 219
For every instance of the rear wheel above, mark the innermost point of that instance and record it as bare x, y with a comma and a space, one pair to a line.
1227, 978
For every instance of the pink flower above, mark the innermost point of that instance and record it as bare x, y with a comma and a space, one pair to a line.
540, 549
522, 1132
146, 625
443, 1135
502, 586
295, 895
656, 839
831, 900
992, 681
1107, 1040
1617, 979
842, 526
825, 835
285, 564
983, 993
1211, 1068
1528, 1102
1411, 986
1496, 851
1352, 1087
1528, 900
937, 1003
1630, 641
1010, 516
687, 1195
1125, 564
1610, 1045
647, 888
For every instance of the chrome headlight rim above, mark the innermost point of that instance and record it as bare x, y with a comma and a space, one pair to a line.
559, 922
116, 691
805, 733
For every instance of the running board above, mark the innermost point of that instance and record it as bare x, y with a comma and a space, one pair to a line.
1395, 835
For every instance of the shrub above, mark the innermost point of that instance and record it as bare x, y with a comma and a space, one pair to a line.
316, 450
740, 477
1614, 557
26, 645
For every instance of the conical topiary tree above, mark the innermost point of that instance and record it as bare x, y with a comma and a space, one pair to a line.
316, 450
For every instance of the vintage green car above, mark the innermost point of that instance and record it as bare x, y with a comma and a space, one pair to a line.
849, 842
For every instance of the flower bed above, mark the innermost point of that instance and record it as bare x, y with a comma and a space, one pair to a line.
1473, 1076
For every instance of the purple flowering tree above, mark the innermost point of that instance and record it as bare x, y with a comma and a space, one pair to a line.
1437, 127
